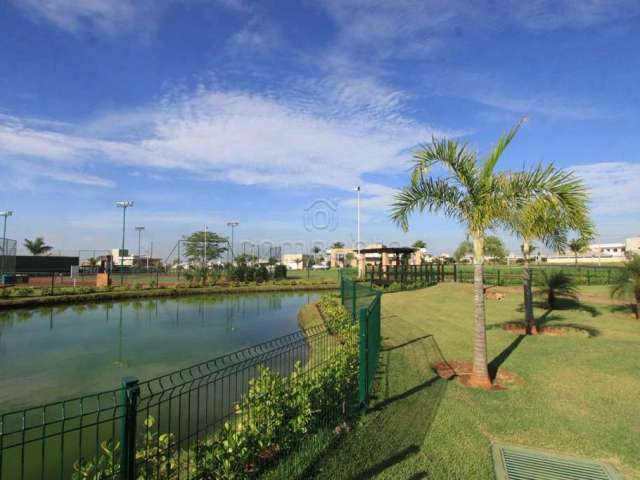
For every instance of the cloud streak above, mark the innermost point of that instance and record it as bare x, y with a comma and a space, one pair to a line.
328, 134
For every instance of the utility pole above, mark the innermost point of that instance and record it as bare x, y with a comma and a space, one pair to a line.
124, 205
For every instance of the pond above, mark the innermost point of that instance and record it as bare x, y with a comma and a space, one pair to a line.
50, 354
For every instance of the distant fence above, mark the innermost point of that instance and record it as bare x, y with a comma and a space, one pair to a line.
364, 305
8, 248
155, 429
406, 276
505, 275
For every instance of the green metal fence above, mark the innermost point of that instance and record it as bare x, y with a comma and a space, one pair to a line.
505, 275
364, 305
157, 428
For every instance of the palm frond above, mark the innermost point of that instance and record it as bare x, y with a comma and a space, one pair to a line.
497, 151
455, 157
434, 195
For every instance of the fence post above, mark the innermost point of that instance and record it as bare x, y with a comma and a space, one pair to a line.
353, 301
53, 282
588, 277
455, 272
341, 280
130, 396
498, 270
363, 360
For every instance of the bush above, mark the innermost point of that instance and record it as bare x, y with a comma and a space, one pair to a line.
280, 272
336, 317
271, 419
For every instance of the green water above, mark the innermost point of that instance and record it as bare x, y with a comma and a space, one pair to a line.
50, 354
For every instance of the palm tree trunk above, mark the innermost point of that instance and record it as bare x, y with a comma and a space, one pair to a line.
480, 373
637, 305
529, 319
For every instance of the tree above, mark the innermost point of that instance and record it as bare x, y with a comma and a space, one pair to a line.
627, 283
478, 197
316, 250
494, 247
464, 249
337, 245
195, 246
419, 244
557, 284
539, 220
37, 246
93, 262
348, 259
578, 246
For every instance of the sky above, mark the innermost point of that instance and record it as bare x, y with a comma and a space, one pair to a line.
269, 113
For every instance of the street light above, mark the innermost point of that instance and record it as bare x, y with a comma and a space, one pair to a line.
232, 225
124, 205
139, 229
5, 214
358, 203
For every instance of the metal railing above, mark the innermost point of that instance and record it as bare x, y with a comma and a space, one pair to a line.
155, 428
364, 305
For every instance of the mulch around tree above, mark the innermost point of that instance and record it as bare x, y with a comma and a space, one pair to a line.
501, 380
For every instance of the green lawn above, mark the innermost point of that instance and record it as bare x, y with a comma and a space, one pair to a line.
579, 395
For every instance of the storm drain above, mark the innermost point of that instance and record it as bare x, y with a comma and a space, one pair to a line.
515, 463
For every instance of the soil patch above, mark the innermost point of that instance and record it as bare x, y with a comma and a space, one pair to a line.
461, 370
551, 331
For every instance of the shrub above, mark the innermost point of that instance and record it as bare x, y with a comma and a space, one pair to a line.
137, 286
280, 272
335, 316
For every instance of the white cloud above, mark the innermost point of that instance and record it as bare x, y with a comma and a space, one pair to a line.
327, 134
613, 187
110, 17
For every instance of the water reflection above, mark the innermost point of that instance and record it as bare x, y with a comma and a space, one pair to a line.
48, 354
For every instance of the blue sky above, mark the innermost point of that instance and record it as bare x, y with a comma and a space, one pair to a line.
204, 111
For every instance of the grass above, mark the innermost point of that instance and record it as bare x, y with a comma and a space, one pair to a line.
39, 297
578, 396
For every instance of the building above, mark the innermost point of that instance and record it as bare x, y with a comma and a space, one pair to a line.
293, 261
122, 257
602, 252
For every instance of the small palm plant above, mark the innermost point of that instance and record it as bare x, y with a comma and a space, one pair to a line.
627, 283
557, 284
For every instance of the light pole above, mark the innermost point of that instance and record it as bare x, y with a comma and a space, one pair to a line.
205, 246
358, 221
124, 205
139, 229
5, 214
232, 225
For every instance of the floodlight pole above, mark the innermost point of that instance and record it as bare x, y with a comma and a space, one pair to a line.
5, 214
124, 205
139, 229
233, 225
358, 221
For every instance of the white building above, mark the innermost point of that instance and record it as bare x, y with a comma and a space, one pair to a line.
126, 259
602, 252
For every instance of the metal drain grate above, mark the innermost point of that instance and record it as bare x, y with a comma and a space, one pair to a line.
515, 463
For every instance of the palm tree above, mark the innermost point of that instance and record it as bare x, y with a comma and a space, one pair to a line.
538, 220
627, 283
337, 245
419, 244
557, 284
578, 246
478, 197
37, 246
